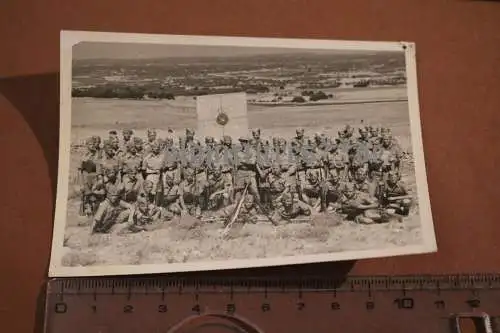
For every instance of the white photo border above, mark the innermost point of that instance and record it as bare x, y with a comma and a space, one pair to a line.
70, 38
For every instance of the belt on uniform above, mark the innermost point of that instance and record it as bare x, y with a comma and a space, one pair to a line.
171, 168
152, 172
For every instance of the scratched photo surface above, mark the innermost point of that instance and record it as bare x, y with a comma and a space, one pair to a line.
192, 154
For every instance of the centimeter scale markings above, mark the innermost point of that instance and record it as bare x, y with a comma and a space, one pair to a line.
458, 303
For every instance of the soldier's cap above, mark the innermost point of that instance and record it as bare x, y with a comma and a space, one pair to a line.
127, 131
151, 131
209, 139
243, 139
393, 173
227, 138
249, 198
349, 187
286, 196
137, 140
256, 130
188, 172
299, 130
360, 172
189, 131
141, 200
113, 132
107, 144
130, 145
113, 190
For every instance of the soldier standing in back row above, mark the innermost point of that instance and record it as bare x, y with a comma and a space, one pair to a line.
152, 135
153, 166
246, 171
172, 161
87, 173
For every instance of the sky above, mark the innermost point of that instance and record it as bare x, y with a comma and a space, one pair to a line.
98, 50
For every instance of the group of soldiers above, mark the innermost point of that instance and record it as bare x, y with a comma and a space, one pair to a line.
130, 182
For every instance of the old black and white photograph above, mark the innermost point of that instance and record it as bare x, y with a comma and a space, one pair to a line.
188, 153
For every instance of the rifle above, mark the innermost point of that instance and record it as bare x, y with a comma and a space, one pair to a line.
235, 213
81, 210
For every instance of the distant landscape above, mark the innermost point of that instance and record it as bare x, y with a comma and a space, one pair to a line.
267, 79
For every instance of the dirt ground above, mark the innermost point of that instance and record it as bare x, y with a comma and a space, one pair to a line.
177, 241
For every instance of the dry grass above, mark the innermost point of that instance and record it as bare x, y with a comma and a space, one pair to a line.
185, 240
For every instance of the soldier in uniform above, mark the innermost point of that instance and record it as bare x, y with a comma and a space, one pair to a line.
359, 206
144, 215
190, 193
246, 161
152, 166
127, 134
344, 140
147, 192
311, 189
336, 161
331, 191
114, 141
87, 172
263, 166
151, 140
394, 196
109, 158
299, 139
219, 190
362, 184
225, 160
132, 183
130, 161
171, 195
210, 153
111, 211
289, 208
108, 178
139, 146
389, 156
172, 161
256, 139
248, 212
309, 159
362, 151
278, 185
286, 160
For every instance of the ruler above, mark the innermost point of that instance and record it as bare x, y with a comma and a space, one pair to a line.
448, 303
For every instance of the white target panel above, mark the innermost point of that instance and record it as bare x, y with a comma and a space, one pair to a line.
231, 107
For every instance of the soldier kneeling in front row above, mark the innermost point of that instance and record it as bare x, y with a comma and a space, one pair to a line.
359, 206
111, 212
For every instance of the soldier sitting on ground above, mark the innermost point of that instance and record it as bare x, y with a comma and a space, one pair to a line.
289, 208
107, 179
190, 192
395, 196
147, 192
171, 195
248, 212
219, 190
132, 183
278, 185
111, 211
311, 190
359, 206
144, 216
331, 191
